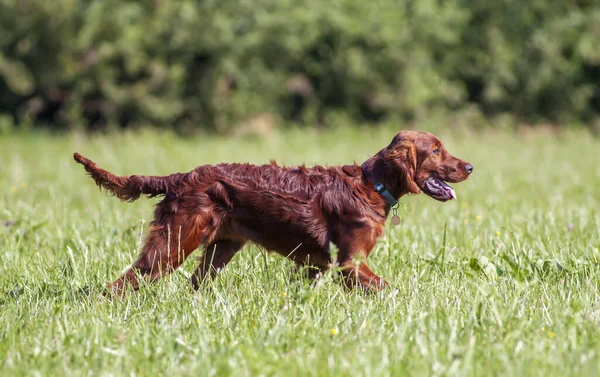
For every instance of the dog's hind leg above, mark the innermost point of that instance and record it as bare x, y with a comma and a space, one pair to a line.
165, 249
215, 257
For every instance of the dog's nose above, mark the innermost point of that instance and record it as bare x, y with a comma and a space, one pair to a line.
469, 168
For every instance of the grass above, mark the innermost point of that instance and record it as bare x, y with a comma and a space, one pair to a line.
503, 281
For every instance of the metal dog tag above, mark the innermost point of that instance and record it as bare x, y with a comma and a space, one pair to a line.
396, 220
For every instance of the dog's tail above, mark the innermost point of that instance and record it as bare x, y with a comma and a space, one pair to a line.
129, 188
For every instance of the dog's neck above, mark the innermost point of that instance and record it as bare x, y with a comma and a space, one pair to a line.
374, 169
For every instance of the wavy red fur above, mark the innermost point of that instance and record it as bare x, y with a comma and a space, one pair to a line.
294, 211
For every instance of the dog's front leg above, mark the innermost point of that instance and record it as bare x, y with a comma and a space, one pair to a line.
358, 274
354, 247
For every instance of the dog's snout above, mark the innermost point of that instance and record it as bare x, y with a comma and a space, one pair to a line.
469, 168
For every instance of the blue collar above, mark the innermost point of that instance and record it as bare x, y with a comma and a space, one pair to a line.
381, 190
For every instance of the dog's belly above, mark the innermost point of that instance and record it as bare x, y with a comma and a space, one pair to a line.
304, 241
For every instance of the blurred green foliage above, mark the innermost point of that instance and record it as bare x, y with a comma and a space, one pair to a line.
215, 63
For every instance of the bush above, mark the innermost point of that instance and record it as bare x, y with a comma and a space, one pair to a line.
212, 64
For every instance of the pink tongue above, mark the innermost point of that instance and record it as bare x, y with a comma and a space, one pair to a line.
452, 192
449, 189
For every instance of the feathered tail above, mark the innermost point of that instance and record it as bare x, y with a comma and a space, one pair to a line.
128, 188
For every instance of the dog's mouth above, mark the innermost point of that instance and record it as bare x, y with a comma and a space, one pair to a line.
438, 189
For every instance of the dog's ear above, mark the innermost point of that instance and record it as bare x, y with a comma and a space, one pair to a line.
401, 162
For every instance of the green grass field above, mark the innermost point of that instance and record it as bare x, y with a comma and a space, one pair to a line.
512, 289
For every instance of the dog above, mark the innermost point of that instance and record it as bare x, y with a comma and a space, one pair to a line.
294, 211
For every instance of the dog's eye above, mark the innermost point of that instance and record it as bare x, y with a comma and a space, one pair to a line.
437, 151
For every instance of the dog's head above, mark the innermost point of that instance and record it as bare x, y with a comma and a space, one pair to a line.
417, 161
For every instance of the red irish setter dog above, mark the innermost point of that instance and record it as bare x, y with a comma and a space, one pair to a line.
294, 211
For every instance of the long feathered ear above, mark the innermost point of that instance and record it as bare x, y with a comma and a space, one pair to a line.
401, 162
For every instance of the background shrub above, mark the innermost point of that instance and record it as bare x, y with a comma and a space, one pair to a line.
216, 63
